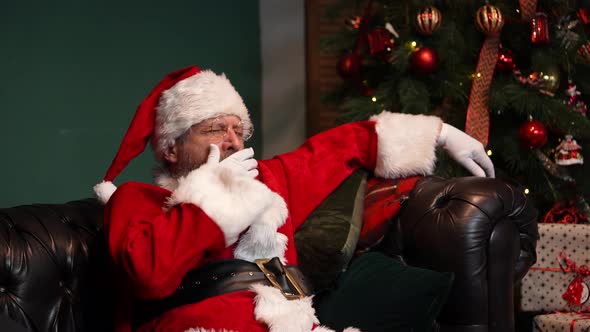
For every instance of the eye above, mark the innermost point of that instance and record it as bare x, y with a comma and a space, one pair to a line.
239, 130
214, 130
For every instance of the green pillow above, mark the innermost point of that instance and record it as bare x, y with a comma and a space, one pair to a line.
327, 239
379, 293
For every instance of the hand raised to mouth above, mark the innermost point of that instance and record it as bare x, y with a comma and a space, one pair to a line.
241, 162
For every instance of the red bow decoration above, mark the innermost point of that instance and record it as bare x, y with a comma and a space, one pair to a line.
564, 214
577, 291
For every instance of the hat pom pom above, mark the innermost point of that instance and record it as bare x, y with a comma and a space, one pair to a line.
104, 190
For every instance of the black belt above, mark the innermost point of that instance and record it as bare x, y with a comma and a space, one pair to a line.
221, 277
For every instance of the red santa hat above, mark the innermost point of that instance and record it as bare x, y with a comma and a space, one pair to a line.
183, 98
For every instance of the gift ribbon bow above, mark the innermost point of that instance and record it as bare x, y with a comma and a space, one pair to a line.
575, 290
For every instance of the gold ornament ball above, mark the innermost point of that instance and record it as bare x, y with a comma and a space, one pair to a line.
489, 20
428, 20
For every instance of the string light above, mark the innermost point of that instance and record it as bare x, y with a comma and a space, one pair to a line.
374, 99
526, 191
478, 74
413, 44
489, 152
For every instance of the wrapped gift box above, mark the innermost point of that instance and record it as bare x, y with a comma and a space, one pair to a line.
545, 283
561, 322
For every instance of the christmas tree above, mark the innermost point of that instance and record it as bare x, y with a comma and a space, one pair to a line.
513, 74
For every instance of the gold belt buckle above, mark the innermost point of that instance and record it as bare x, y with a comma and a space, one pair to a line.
271, 277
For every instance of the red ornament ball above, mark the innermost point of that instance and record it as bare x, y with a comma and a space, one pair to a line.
505, 60
533, 134
424, 60
349, 66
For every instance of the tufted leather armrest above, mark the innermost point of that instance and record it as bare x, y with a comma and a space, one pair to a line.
49, 266
484, 230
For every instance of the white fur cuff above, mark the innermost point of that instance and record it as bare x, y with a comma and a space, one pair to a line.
233, 202
406, 144
280, 314
262, 239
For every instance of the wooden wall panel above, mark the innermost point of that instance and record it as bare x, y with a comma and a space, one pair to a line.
321, 75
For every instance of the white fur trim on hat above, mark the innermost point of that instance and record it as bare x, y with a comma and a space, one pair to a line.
199, 97
232, 202
104, 191
406, 144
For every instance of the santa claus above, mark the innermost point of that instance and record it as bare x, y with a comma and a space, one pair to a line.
195, 252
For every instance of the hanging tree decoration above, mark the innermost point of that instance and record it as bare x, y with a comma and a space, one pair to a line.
380, 43
575, 101
349, 65
490, 21
533, 134
424, 60
540, 29
428, 20
352, 22
568, 152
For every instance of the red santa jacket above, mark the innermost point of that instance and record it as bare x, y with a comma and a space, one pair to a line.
157, 234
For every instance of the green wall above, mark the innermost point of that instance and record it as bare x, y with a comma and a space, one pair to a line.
73, 72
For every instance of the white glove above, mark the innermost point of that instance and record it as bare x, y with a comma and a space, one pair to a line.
240, 163
466, 150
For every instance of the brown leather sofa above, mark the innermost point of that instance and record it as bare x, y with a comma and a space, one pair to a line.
54, 274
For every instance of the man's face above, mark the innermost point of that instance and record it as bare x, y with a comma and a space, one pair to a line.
191, 151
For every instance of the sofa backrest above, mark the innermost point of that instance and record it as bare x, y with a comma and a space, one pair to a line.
54, 264
53, 271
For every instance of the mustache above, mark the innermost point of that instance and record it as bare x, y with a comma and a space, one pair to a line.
188, 163
227, 153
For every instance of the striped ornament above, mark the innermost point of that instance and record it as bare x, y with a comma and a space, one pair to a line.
489, 20
428, 20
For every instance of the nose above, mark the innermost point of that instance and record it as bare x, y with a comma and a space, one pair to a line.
232, 140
